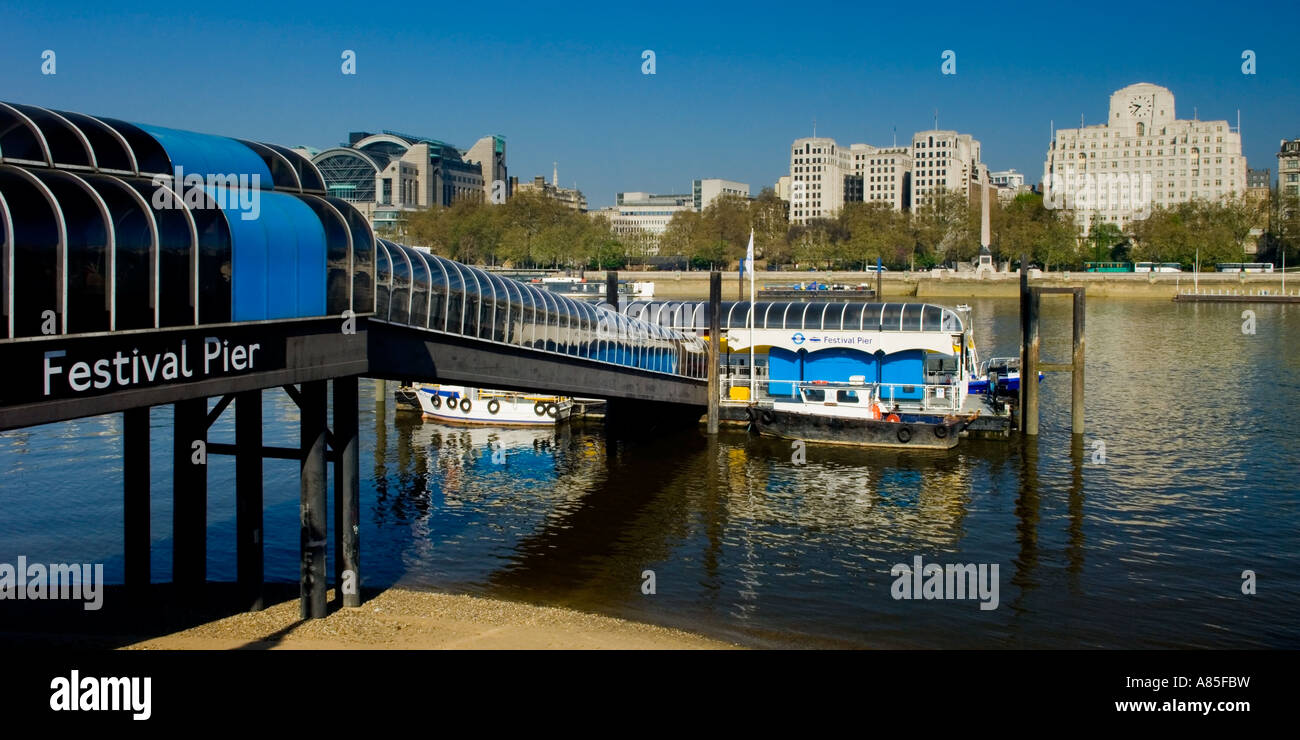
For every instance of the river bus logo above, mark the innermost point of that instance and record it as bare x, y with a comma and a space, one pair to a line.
798, 338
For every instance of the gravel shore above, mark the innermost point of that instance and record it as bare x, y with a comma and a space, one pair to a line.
403, 619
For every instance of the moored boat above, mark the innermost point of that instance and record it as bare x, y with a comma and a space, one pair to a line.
855, 415
458, 404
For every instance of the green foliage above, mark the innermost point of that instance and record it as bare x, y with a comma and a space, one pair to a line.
531, 230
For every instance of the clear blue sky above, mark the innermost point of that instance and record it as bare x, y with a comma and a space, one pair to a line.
734, 85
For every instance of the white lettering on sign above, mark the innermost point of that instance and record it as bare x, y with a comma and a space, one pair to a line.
124, 370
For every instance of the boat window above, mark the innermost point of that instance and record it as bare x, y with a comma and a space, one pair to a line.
912, 316
814, 395
891, 317
846, 396
932, 319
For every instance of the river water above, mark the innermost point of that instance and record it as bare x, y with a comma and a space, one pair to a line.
1136, 535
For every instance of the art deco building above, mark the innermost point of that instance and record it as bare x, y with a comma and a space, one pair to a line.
1143, 156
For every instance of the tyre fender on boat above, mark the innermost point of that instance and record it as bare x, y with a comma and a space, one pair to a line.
767, 416
539, 408
893, 417
465, 405
941, 431
494, 406
904, 434
552, 410
435, 402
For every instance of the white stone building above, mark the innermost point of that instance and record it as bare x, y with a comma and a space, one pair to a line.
706, 190
945, 160
1143, 156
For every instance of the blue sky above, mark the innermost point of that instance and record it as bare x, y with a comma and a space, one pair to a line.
734, 85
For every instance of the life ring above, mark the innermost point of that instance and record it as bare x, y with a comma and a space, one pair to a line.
767, 416
941, 431
435, 401
873, 411
905, 434
465, 405
539, 408
552, 411
494, 406
893, 417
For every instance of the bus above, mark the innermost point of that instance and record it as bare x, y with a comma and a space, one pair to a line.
1245, 267
1108, 266
1157, 267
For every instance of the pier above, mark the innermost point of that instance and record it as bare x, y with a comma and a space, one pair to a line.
200, 310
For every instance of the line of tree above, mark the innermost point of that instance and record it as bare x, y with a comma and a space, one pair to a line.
533, 231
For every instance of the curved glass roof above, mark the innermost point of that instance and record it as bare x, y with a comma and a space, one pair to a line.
425, 291
32, 135
822, 316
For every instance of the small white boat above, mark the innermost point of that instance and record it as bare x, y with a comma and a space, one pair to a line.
458, 404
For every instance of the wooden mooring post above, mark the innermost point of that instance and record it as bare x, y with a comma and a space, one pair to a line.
715, 348
1030, 364
611, 289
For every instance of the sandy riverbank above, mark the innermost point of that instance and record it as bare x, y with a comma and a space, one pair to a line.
414, 620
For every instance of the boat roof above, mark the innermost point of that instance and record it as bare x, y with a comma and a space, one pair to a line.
817, 315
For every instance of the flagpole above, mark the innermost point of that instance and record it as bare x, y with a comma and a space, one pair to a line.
752, 369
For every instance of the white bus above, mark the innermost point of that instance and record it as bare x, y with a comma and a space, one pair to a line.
1245, 267
1157, 267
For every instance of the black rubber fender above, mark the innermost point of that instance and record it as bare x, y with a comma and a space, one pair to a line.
904, 434
494, 406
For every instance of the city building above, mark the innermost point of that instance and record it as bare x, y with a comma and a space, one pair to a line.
643, 213
1143, 156
388, 173
1259, 184
704, 191
886, 174
945, 161
571, 198
818, 170
1288, 168
1007, 178
782, 187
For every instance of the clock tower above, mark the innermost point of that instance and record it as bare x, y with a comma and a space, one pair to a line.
1141, 109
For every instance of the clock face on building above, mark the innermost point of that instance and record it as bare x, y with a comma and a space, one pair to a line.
1139, 105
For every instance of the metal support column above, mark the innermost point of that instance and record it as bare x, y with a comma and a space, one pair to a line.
1029, 368
135, 504
189, 493
313, 398
347, 489
1076, 373
248, 498
715, 348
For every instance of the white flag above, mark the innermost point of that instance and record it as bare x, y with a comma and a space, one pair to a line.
748, 262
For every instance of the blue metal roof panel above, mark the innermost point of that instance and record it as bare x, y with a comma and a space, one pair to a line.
204, 154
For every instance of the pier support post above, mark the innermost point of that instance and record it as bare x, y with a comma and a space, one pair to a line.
248, 498
312, 504
1076, 372
347, 489
190, 493
715, 348
1029, 370
611, 289
135, 504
